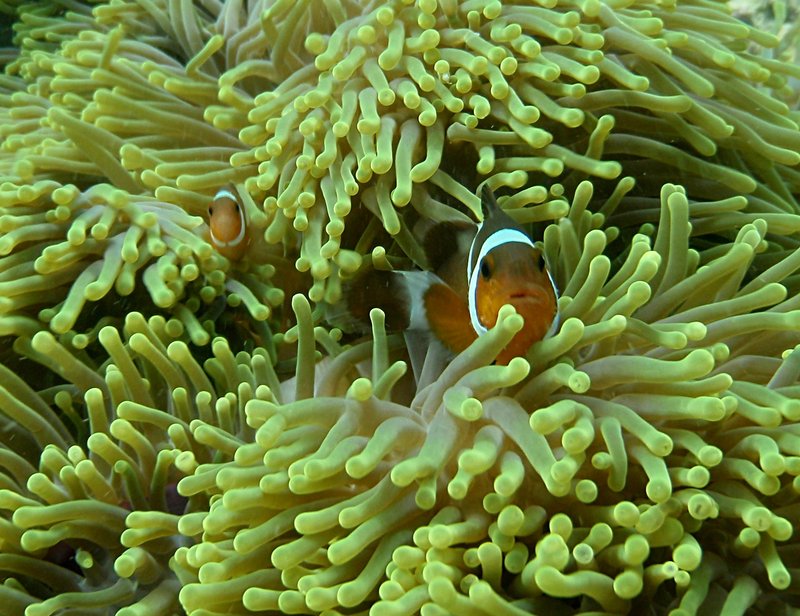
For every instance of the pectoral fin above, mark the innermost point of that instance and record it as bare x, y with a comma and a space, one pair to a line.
448, 316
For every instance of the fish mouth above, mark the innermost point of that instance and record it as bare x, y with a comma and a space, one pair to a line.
524, 296
527, 300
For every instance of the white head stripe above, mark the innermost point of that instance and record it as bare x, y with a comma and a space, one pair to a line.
498, 238
472, 251
224, 193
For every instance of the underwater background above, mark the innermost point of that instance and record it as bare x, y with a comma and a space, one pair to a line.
187, 433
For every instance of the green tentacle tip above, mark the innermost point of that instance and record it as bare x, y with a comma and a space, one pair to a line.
459, 402
360, 390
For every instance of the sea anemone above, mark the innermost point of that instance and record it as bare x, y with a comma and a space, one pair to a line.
627, 462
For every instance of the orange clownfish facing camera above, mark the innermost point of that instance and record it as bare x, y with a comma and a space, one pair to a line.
475, 272
227, 224
502, 266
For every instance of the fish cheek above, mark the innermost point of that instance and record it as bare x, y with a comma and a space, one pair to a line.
489, 299
225, 226
537, 321
538, 317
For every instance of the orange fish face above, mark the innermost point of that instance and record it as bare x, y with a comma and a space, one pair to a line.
514, 273
228, 229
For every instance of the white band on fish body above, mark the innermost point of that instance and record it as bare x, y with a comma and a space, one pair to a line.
498, 238
224, 193
416, 284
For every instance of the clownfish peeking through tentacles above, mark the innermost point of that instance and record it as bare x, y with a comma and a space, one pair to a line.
227, 224
473, 275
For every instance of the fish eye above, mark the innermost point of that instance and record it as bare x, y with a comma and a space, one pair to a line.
236, 205
210, 210
486, 269
540, 261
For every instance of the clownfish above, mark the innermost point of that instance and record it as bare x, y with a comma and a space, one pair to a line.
473, 275
227, 224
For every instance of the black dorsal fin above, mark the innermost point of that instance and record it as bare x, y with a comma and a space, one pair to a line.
488, 202
494, 217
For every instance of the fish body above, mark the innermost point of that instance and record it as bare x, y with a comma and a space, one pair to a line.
227, 224
475, 273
